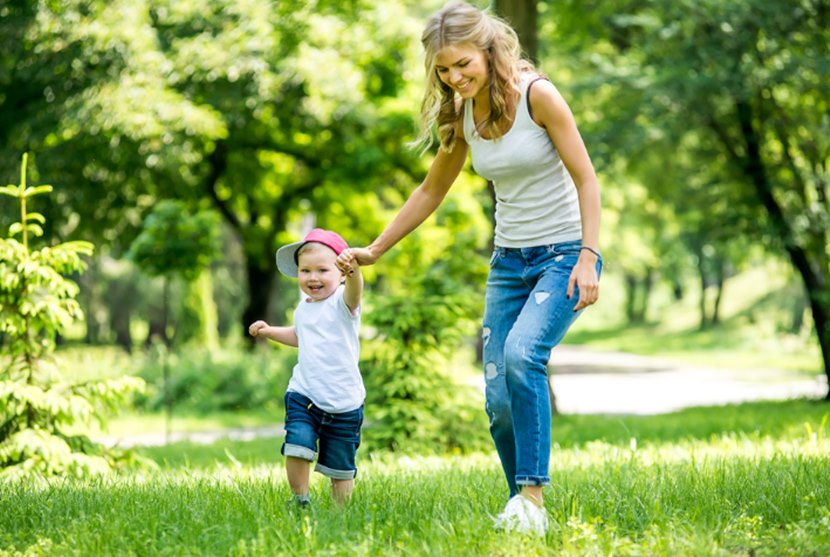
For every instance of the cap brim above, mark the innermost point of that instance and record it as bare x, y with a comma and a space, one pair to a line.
285, 259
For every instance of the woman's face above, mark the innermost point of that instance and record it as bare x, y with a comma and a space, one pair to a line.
463, 68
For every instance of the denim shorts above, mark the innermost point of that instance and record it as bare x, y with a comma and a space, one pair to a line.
338, 436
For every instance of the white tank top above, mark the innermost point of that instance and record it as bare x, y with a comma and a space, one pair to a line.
536, 200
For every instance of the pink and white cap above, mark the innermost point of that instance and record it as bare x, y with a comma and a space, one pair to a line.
287, 254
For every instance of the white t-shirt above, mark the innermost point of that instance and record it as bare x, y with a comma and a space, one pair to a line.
328, 352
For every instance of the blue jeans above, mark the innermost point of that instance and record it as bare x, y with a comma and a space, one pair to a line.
338, 436
527, 313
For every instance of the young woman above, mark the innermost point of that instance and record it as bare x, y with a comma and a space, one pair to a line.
484, 98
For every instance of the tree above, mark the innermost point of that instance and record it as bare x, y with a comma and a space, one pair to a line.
210, 100
176, 243
738, 89
298, 140
39, 405
83, 84
418, 323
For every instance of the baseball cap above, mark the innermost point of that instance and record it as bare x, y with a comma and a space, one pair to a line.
287, 254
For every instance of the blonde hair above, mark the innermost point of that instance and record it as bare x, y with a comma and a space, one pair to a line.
460, 23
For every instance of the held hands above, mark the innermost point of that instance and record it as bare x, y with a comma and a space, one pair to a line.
350, 260
584, 277
256, 327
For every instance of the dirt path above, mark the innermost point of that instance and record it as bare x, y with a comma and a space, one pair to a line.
591, 382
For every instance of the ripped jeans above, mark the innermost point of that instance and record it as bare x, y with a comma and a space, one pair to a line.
527, 313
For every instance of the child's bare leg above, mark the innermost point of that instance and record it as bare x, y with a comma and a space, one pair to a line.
298, 472
341, 490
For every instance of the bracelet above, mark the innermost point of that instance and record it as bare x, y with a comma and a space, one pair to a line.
592, 250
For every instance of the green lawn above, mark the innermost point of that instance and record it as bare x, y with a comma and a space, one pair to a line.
752, 479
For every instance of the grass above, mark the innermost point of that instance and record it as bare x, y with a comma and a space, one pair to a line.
752, 479
132, 422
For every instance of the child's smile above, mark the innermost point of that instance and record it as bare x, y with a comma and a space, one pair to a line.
317, 273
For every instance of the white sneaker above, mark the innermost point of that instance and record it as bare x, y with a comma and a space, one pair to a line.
522, 516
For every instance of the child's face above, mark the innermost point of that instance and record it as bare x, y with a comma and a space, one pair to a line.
318, 275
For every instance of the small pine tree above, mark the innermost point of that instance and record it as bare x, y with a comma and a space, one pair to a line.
39, 407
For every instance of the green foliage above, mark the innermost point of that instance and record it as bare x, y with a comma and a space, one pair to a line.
423, 308
719, 110
212, 101
202, 381
39, 407
175, 241
414, 404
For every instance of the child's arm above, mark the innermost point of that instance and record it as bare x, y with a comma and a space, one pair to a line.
285, 335
354, 282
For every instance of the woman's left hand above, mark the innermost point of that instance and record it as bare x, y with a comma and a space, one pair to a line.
584, 277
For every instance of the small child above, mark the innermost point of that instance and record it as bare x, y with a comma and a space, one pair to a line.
324, 399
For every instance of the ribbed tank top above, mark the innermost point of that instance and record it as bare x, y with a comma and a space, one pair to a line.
536, 200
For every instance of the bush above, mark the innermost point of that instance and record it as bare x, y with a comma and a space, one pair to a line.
223, 380
414, 401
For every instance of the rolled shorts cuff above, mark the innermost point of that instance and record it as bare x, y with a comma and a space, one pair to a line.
298, 451
532, 480
335, 474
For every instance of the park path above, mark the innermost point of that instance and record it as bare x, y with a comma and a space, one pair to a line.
587, 381
592, 382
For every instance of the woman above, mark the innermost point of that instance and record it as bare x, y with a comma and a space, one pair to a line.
484, 98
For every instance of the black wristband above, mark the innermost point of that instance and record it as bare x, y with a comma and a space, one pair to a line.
592, 250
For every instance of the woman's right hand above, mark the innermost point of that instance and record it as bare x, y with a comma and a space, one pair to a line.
363, 256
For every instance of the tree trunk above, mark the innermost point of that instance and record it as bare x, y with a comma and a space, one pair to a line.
522, 15
701, 271
120, 324
87, 298
814, 282
721, 281
645, 295
260, 281
630, 297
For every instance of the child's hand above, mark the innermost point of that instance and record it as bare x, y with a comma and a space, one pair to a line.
256, 327
347, 262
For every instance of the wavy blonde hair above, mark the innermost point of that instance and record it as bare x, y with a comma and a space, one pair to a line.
460, 23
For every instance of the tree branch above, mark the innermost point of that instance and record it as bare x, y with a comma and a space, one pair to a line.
218, 165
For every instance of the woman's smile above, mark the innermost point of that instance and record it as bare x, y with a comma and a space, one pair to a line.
463, 68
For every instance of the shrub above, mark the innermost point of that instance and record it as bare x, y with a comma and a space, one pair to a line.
219, 380
39, 406
414, 401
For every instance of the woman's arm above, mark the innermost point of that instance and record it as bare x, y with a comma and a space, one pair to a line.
421, 204
552, 112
